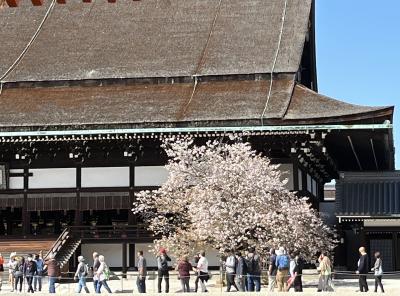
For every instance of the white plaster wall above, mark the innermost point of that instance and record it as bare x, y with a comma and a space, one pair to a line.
212, 256
150, 175
111, 252
52, 178
105, 177
287, 173
300, 178
16, 182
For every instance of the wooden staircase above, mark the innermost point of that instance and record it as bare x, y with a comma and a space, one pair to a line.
64, 247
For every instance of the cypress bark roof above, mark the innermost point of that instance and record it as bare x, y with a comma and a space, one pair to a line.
152, 38
226, 103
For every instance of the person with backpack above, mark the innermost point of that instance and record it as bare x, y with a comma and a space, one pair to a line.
102, 274
253, 271
163, 269
82, 271
230, 268
30, 271
37, 279
240, 272
19, 273
282, 275
53, 272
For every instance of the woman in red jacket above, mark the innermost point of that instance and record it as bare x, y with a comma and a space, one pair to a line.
184, 268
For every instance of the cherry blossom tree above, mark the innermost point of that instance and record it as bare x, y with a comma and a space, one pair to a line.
226, 196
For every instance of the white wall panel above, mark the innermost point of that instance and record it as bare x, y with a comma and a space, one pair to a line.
52, 178
287, 173
105, 177
16, 182
111, 252
212, 256
150, 175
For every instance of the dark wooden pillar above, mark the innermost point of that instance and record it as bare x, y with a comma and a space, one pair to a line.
124, 259
132, 254
78, 212
26, 218
131, 217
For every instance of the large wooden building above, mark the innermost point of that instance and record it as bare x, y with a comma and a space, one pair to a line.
90, 90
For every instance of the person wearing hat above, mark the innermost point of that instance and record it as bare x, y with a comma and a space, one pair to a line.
163, 269
82, 271
12, 264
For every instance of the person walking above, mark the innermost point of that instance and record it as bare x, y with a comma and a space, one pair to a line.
103, 274
95, 266
53, 272
296, 271
1, 263
325, 268
37, 279
30, 272
1, 270
142, 273
282, 263
196, 281
19, 273
12, 265
230, 268
163, 269
253, 271
202, 268
82, 271
378, 272
240, 272
272, 270
184, 267
362, 269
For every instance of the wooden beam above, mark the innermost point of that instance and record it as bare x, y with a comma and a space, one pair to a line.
37, 2
12, 3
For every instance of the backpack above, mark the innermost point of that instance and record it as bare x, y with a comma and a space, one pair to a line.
106, 272
283, 262
39, 265
84, 270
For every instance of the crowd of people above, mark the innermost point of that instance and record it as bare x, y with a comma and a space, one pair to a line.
243, 271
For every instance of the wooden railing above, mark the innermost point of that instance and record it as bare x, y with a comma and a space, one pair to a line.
112, 232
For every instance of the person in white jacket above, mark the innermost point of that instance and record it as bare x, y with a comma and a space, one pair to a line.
12, 264
102, 275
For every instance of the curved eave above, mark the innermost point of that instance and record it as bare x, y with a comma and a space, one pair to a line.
310, 107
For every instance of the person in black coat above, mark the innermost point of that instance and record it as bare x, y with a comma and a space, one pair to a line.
30, 271
362, 270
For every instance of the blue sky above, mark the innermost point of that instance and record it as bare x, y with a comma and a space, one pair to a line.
358, 53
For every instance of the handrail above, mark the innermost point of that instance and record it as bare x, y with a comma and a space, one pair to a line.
111, 232
59, 239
